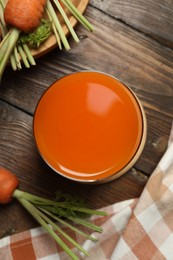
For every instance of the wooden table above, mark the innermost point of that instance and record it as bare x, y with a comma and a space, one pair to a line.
133, 41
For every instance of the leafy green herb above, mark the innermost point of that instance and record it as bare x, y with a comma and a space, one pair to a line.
36, 38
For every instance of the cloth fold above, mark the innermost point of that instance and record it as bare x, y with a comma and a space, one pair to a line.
139, 228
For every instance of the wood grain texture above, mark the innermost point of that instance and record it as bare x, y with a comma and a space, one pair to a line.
153, 18
126, 52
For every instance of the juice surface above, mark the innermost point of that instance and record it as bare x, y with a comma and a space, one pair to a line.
87, 126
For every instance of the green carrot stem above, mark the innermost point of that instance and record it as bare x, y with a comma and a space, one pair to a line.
46, 202
65, 223
33, 198
13, 62
69, 26
28, 54
2, 2
58, 40
23, 56
36, 214
58, 25
6, 48
78, 15
63, 233
16, 55
85, 223
64, 205
81, 209
2, 26
4, 29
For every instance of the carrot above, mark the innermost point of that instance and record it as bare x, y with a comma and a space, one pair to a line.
8, 184
25, 15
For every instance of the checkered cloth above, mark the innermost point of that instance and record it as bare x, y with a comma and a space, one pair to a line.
134, 229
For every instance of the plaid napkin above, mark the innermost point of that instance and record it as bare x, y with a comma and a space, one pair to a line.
134, 229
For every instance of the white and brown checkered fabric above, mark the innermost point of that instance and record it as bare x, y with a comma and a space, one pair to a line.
134, 229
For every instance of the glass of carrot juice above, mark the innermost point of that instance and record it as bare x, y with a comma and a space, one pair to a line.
89, 127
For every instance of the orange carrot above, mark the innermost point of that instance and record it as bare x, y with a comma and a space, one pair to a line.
8, 184
25, 15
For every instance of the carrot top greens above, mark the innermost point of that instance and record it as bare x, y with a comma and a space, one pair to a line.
64, 210
61, 210
36, 38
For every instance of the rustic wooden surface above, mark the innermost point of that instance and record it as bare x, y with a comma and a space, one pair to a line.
133, 41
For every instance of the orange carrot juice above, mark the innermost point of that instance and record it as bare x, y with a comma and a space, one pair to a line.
88, 127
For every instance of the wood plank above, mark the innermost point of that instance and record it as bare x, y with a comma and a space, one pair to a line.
157, 140
154, 18
135, 59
